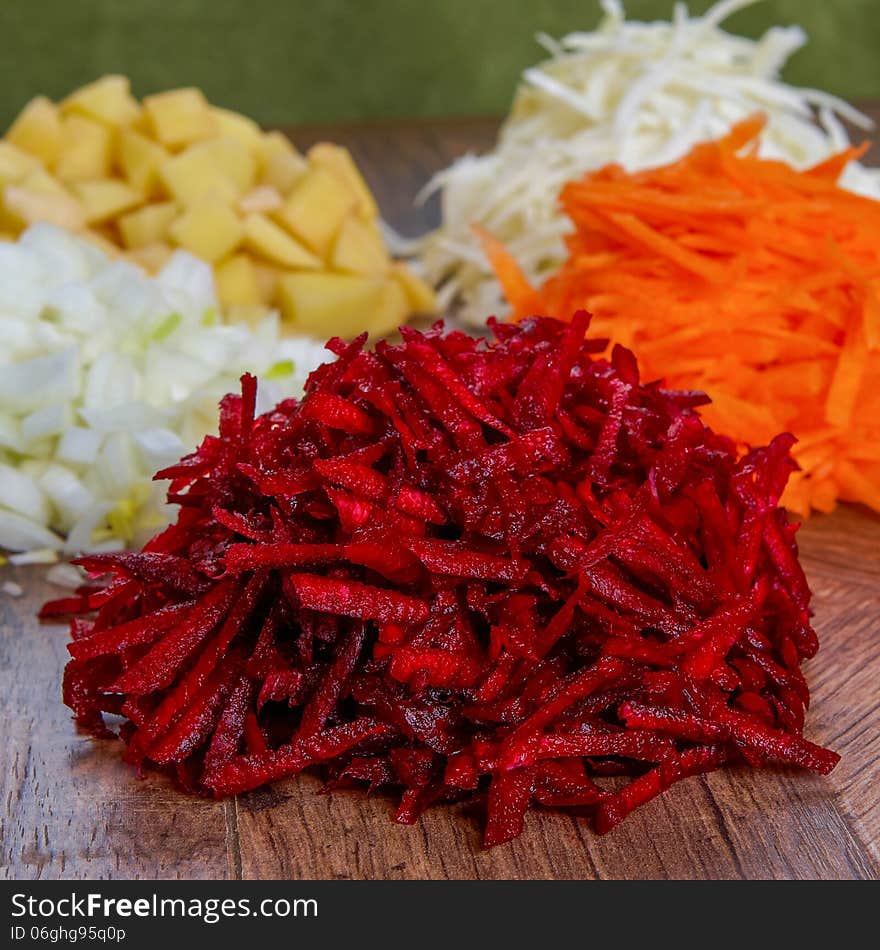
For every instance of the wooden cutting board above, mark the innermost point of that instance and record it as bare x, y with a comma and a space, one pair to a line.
73, 810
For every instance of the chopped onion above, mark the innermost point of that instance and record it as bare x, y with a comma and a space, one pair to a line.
65, 575
34, 556
640, 94
107, 375
18, 533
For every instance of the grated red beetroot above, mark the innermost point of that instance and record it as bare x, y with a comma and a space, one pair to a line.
459, 568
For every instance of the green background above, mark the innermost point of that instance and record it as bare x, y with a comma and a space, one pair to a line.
292, 61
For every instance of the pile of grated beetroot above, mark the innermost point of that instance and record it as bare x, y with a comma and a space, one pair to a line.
459, 568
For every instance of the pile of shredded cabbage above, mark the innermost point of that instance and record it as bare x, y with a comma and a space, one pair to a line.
106, 375
640, 94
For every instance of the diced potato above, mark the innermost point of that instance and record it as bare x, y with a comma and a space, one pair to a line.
390, 312
143, 123
359, 249
339, 162
102, 241
32, 206
229, 156
279, 229
107, 100
280, 163
140, 158
239, 127
15, 163
315, 209
151, 257
267, 280
147, 225
37, 130
85, 150
102, 200
260, 200
51, 201
237, 283
325, 304
38, 182
41, 181
209, 230
192, 175
266, 239
179, 117
420, 296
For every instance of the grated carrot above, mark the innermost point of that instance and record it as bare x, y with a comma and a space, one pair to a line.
743, 277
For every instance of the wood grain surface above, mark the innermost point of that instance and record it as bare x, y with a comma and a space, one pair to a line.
72, 810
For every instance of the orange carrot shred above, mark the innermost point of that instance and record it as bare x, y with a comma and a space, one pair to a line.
744, 277
833, 167
513, 280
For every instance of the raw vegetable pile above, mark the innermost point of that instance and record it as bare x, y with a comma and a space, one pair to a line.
105, 376
300, 234
456, 569
640, 94
743, 277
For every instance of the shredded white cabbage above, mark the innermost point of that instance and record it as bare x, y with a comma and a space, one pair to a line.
640, 94
107, 375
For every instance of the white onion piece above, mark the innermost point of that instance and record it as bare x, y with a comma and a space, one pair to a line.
106, 376
18, 533
18, 493
65, 575
34, 556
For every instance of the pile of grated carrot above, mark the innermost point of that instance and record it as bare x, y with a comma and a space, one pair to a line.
746, 278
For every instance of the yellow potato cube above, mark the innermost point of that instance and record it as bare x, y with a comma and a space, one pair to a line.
143, 123
315, 209
359, 249
327, 304
260, 200
140, 158
151, 257
102, 200
229, 156
38, 182
148, 225
390, 312
267, 280
266, 239
209, 230
41, 181
194, 174
15, 163
37, 130
102, 241
85, 150
237, 283
239, 127
107, 100
280, 163
28, 207
420, 296
179, 117
338, 161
